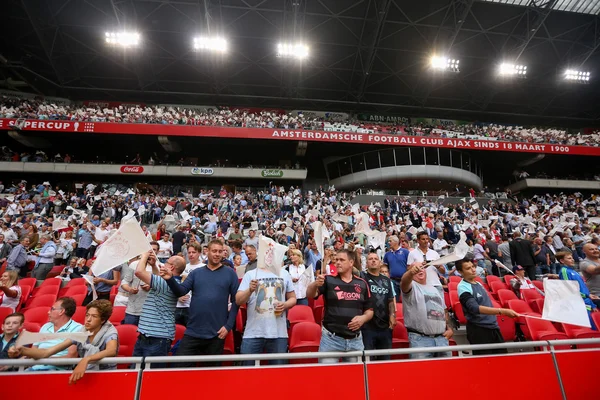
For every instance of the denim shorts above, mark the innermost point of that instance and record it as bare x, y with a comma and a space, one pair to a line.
332, 342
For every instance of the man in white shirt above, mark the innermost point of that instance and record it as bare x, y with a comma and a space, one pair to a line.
422, 253
165, 248
183, 304
440, 245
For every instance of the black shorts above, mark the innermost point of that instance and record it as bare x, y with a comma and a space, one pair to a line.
479, 335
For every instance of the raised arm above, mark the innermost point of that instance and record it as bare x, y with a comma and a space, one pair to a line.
140, 269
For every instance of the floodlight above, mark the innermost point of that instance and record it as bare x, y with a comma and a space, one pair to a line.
509, 69
443, 63
289, 50
124, 39
218, 44
577, 76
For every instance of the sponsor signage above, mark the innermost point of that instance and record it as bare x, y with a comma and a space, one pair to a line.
394, 119
271, 173
109, 128
132, 169
202, 171
111, 104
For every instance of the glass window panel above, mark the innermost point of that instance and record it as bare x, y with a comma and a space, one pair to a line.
387, 158
417, 156
333, 170
345, 167
431, 156
372, 159
456, 159
358, 163
402, 157
445, 157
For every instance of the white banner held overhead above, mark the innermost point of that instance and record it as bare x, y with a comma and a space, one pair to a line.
129, 242
319, 238
563, 303
59, 224
270, 255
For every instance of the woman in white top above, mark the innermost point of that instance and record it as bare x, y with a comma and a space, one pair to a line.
12, 291
66, 247
300, 277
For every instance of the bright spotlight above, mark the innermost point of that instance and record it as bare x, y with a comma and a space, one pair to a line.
577, 76
443, 64
509, 69
123, 39
217, 44
288, 50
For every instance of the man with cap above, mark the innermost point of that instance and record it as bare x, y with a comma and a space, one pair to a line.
520, 281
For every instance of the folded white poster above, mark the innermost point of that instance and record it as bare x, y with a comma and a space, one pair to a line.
26, 338
563, 303
270, 255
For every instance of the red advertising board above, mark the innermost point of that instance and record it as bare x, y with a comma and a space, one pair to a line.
286, 134
132, 169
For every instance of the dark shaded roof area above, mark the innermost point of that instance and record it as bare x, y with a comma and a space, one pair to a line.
367, 56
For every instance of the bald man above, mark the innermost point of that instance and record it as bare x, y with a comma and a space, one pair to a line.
590, 267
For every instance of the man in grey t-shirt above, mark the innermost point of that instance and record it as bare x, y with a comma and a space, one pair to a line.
505, 259
424, 309
590, 267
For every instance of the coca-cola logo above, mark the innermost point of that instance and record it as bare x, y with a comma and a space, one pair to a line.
132, 169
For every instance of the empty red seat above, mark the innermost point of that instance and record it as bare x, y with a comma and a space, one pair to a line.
454, 278
497, 285
507, 279
27, 281
37, 315
55, 271
318, 309
521, 307
457, 307
507, 327
596, 319
45, 300
504, 295
78, 298
300, 313
492, 278
53, 290
32, 326
305, 338
530, 295
79, 315
229, 347
541, 329
47, 282
581, 332
70, 284
453, 286
118, 314
75, 290
128, 335
539, 285
400, 340
538, 305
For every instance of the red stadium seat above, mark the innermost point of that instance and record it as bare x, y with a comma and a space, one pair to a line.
507, 328
32, 326
53, 290
498, 285
229, 347
28, 282
581, 332
530, 295
544, 330
55, 271
492, 278
47, 282
45, 300
79, 315
507, 279
457, 307
128, 335
454, 278
596, 319
4, 312
539, 285
37, 315
300, 314
118, 314
400, 312
76, 290
400, 340
504, 295
521, 307
72, 283
319, 309
25, 292
79, 298
305, 338
179, 332
538, 305
453, 286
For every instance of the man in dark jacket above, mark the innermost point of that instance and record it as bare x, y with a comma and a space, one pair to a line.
521, 253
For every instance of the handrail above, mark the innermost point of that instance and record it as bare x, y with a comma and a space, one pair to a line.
547, 346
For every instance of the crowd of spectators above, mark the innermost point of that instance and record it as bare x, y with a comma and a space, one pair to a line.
203, 266
278, 119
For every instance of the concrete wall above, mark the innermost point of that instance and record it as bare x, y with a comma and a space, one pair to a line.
554, 184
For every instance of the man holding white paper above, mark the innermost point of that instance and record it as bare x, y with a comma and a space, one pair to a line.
567, 273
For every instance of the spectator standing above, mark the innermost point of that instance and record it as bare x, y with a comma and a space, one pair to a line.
521, 253
17, 260
377, 333
45, 258
425, 314
178, 239
311, 254
165, 248
156, 325
422, 253
300, 280
348, 306
482, 325
210, 317
104, 283
251, 254
137, 291
504, 248
251, 240
5, 250
85, 240
396, 260
590, 267
268, 296
183, 303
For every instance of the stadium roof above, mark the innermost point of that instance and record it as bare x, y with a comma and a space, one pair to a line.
368, 55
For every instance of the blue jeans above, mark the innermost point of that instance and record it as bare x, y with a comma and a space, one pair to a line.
302, 302
417, 340
131, 319
377, 340
396, 286
262, 345
332, 342
147, 346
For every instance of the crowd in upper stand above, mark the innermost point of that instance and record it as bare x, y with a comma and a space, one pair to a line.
277, 119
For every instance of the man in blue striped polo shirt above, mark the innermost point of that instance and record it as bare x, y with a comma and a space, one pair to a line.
157, 322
